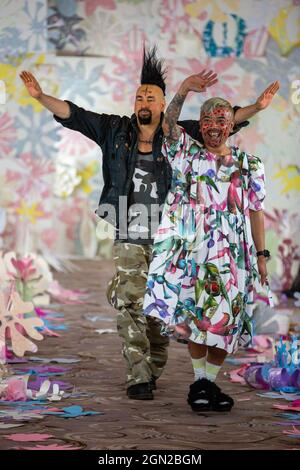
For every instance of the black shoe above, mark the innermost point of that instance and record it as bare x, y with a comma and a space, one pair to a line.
152, 383
200, 395
221, 401
140, 392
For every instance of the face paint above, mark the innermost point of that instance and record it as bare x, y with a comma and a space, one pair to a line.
216, 126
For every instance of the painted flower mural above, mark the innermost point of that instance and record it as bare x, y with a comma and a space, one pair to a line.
90, 52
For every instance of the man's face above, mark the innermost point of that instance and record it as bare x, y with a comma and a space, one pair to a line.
215, 126
149, 104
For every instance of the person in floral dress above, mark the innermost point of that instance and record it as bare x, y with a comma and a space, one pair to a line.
206, 253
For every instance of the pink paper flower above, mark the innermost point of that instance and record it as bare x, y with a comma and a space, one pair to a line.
24, 268
16, 390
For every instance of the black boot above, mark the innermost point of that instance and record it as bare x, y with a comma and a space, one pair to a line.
220, 401
152, 383
200, 395
140, 392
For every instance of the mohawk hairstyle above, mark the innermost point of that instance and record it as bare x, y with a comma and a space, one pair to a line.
153, 72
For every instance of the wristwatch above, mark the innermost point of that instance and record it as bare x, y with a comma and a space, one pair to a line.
264, 253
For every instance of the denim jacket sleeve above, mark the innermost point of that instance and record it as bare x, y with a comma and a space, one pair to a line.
92, 125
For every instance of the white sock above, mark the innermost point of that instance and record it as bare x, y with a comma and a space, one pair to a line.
199, 367
211, 371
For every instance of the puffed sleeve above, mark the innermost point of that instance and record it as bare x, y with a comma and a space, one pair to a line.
177, 151
256, 187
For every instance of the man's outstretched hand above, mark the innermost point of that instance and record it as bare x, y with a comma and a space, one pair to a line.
266, 97
31, 84
200, 81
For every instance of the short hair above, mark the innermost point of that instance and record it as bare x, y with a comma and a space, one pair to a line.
213, 103
153, 71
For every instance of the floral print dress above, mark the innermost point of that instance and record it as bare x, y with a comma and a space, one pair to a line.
203, 270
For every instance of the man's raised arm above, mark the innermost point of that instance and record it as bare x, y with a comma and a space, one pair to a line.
58, 107
262, 102
197, 83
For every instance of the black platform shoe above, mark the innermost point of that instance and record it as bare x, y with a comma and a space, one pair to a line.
200, 395
220, 401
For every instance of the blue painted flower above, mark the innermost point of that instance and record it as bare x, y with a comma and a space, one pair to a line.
211, 173
255, 186
210, 243
31, 139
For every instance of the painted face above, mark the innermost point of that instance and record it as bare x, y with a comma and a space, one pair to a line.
216, 126
149, 104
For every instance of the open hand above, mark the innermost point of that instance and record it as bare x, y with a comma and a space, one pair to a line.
31, 84
200, 81
266, 97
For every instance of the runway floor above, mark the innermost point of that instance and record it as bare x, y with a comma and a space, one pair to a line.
164, 423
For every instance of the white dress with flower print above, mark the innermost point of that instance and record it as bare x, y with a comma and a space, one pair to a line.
204, 268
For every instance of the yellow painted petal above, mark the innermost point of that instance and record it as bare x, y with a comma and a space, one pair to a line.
212, 7
32, 213
290, 178
285, 29
15, 88
86, 174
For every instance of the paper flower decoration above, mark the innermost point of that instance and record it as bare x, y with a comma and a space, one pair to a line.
285, 29
14, 388
281, 374
73, 411
66, 296
12, 319
31, 273
66, 179
86, 174
31, 212
290, 178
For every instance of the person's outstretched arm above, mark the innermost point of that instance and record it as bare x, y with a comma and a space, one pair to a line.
262, 102
56, 106
197, 83
92, 125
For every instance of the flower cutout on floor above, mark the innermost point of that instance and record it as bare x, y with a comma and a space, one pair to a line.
73, 411
12, 319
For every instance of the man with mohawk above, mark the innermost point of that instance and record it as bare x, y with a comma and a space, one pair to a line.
136, 181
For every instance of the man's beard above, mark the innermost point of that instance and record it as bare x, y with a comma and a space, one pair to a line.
144, 120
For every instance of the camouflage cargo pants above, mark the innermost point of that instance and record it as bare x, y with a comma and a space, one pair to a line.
144, 349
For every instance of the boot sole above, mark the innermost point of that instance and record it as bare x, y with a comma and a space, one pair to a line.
199, 407
220, 410
141, 397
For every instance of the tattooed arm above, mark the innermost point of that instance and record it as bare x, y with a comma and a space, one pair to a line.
170, 127
197, 83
